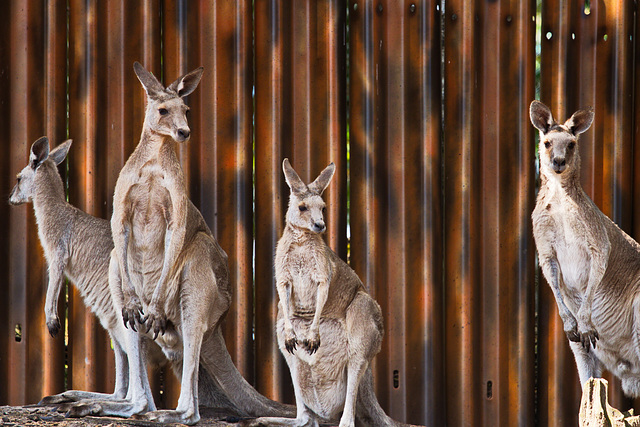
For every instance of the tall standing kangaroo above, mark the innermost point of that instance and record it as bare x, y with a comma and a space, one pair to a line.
329, 328
168, 274
591, 265
79, 246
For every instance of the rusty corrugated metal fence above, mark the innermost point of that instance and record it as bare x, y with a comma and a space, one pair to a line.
422, 105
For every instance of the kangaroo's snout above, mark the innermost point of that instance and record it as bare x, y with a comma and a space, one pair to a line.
14, 202
319, 226
559, 164
183, 134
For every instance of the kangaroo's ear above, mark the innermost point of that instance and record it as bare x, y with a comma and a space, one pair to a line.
149, 82
39, 152
580, 121
187, 83
541, 116
293, 180
59, 153
322, 181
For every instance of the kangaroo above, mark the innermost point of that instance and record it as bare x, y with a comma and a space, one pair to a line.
170, 277
592, 266
328, 328
80, 246
75, 244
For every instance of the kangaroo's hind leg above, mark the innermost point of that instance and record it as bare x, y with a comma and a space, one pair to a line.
364, 336
304, 416
588, 365
138, 397
119, 392
298, 370
202, 303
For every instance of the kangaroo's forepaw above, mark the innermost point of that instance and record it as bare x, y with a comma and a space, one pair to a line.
570, 325
53, 325
311, 341
311, 345
586, 330
132, 309
589, 339
156, 322
132, 315
573, 335
290, 340
290, 344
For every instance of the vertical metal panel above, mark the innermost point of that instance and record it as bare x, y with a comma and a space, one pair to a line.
489, 177
56, 129
87, 340
300, 105
461, 176
7, 180
33, 94
272, 378
636, 131
587, 61
395, 195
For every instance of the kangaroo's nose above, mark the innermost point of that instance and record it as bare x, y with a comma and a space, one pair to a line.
559, 164
183, 133
319, 226
559, 161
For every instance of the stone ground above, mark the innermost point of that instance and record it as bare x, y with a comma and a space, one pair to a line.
32, 415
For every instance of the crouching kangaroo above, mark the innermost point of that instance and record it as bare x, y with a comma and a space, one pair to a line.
592, 266
79, 246
329, 328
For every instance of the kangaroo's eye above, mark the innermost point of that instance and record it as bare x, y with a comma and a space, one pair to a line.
547, 144
302, 208
572, 145
163, 111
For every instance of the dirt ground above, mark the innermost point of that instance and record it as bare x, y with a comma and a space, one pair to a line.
32, 415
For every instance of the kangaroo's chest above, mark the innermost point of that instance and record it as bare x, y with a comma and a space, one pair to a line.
306, 269
150, 211
567, 231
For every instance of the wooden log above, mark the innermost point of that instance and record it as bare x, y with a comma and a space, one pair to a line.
595, 410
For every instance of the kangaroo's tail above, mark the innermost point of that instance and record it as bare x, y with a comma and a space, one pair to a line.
224, 375
368, 410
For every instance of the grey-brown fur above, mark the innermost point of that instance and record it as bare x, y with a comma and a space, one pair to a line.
329, 328
80, 245
75, 244
592, 266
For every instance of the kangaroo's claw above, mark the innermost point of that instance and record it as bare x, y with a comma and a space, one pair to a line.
290, 345
573, 336
589, 339
311, 345
54, 327
130, 317
156, 322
